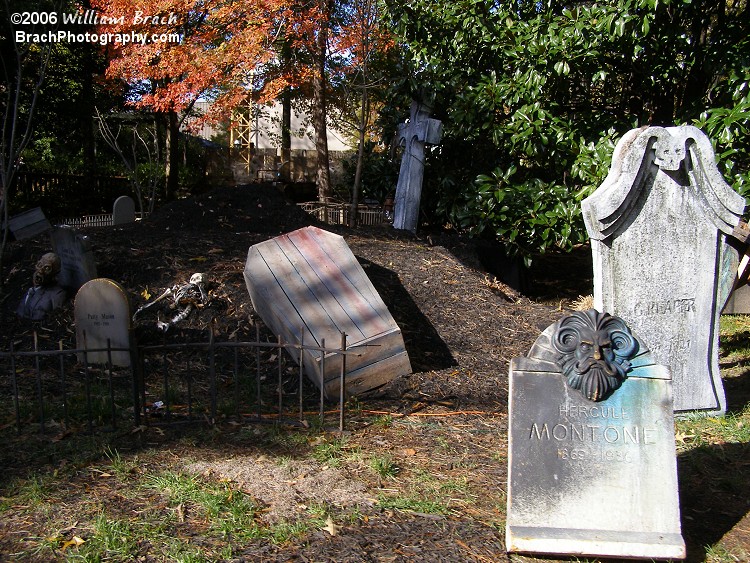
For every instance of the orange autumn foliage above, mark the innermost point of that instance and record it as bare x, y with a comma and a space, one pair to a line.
228, 49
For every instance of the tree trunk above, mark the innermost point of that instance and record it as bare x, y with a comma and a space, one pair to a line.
360, 158
319, 107
286, 135
172, 157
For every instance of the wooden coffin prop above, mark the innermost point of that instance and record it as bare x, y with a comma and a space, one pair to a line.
307, 286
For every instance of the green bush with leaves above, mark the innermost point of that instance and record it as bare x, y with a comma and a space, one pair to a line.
534, 95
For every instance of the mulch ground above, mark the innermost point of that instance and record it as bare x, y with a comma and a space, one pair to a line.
461, 327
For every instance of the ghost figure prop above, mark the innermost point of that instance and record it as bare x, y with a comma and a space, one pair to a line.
45, 295
184, 299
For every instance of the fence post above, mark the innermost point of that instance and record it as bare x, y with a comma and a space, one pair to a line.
257, 370
212, 372
14, 381
63, 384
301, 372
322, 377
135, 373
39, 383
87, 379
238, 413
281, 377
342, 382
111, 386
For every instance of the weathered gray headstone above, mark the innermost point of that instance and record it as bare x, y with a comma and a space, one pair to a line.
420, 130
29, 224
659, 225
102, 314
592, 465
123, 210
74, 250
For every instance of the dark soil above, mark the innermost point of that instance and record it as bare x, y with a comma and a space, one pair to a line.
461, 328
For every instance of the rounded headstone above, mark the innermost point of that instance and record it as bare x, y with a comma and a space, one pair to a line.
123, 210
102, 316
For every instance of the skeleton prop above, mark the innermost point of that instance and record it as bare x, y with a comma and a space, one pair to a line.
185, 298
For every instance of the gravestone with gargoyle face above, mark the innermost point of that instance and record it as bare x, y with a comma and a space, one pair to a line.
592, 468
660, 228
419, 130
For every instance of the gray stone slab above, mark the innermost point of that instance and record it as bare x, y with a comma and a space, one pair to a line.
659, 225
78, 262
591, 477
29, 224
123, 210
102, 316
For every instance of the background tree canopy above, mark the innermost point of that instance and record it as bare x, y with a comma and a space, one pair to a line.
533, 96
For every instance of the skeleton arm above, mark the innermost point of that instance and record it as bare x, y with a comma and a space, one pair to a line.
167, 293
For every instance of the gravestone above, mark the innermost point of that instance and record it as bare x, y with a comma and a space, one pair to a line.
659, 228
74, 250
592, 467
102, 313
123, 210
419, 130
29, 224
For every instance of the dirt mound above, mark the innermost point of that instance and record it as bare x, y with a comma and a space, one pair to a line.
289, 487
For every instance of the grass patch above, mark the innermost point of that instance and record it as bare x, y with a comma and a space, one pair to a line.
333, 452
426, 493
720, 554
413, 503
230, 511
384, 466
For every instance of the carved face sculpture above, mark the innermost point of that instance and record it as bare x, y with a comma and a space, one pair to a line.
595, 348
46, 270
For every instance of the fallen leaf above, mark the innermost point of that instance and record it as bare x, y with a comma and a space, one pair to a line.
75, 542
330, 527
145, 294
410, 451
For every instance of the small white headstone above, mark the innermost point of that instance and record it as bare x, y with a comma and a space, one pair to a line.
659, 226
123, 210
102, 314
74, 250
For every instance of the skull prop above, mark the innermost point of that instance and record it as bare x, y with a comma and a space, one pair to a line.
184, 299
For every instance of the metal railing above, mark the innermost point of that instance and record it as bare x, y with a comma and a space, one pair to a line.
339, 213
100, 220
165, 383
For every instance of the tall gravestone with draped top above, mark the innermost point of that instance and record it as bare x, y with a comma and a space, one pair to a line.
420, 130
661, 229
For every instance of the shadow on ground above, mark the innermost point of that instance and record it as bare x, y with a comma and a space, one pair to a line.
427, 351
714, 496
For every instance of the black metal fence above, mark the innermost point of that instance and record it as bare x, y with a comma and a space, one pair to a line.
170, 383
64, 195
